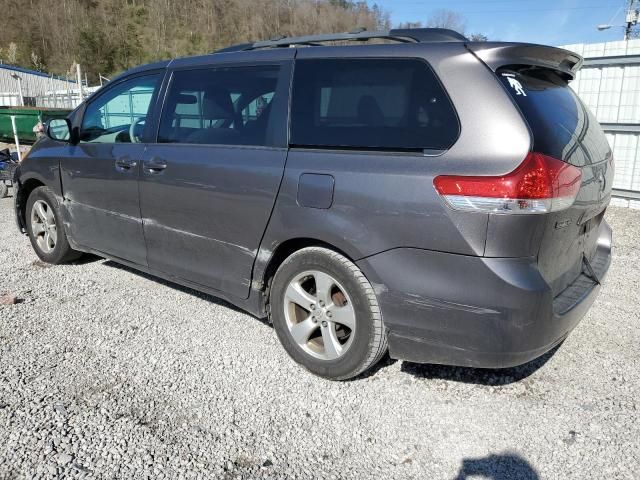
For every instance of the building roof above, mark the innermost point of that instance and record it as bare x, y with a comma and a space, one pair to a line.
32, 72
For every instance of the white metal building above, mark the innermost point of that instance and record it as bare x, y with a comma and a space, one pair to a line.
38, 88
609, 83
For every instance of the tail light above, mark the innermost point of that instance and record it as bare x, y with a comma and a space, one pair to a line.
541, 184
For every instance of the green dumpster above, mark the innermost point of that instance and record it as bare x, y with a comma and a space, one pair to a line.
26, 119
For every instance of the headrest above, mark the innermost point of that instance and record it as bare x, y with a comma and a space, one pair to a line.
217, 105
186, 99
369, 112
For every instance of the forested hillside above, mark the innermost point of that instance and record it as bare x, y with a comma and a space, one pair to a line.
108, 36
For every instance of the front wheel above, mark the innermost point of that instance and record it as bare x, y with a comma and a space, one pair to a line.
45, 228
326, 314
4, 189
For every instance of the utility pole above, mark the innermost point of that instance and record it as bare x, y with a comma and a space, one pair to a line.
18, 79
631, 19
79, 80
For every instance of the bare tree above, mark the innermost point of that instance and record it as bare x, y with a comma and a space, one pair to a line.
12, 53
36, 61
447, 19
478, 37
417, 24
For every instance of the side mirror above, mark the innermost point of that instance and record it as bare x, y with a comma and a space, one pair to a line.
59, 129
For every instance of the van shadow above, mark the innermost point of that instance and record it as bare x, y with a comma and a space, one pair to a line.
86, 258
497, 467
175, 286
478, 376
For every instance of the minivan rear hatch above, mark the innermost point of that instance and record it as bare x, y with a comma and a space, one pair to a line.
562, 127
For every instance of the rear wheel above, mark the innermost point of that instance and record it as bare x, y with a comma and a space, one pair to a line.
326, 314
45, 228
4, 189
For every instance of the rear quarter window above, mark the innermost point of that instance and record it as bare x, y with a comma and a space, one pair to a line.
388, 104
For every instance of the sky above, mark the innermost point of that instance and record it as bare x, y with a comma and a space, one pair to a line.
551, 22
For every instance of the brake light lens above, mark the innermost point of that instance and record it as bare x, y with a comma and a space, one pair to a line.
540, 184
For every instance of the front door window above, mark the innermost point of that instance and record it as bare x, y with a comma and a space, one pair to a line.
119, 115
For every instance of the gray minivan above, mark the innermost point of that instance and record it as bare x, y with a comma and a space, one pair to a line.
423, 194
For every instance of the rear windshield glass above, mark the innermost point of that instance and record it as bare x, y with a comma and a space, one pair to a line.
389, 104
562, 126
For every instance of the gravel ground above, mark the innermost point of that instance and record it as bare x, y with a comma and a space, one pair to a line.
108, 373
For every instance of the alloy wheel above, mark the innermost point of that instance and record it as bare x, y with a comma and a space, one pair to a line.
319, 315
43, 226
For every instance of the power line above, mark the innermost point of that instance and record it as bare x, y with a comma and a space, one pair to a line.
616, 14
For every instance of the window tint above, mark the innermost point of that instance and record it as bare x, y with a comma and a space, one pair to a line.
562, 126
225, 106
119, 111
392, 104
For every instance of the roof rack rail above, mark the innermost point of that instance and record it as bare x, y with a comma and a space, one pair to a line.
406, 35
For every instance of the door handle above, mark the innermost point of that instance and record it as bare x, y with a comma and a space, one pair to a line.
125, 164
154, 166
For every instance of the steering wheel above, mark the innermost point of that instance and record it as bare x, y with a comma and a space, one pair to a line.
132, 129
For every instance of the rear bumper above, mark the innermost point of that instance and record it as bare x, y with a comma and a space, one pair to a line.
474, 311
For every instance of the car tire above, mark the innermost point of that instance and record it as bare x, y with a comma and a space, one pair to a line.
4, 189
326, 314
46, 229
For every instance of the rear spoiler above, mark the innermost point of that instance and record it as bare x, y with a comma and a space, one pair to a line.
502, 54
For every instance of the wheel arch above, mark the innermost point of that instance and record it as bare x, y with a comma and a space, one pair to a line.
26, 187
284, 250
